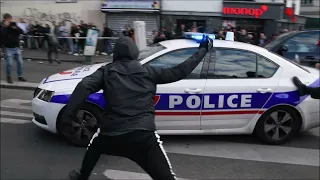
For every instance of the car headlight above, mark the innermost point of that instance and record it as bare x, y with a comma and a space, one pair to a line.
46, 95
36, 92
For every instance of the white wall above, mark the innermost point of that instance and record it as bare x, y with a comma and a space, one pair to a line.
192, 5
47, 11
270, 1
311, 9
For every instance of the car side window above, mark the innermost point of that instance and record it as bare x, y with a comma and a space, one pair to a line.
176, 57
303, 42
266, 68
232, 63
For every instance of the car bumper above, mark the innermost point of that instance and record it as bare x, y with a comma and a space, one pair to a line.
310, 113
312, 121
45, 114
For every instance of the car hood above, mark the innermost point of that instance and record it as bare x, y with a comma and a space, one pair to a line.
68, 79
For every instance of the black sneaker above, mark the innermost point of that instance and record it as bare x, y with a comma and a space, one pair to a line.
59, 62
75, 175
302, 88
21, 79
9, 80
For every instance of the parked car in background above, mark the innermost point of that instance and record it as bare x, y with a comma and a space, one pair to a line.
301, 46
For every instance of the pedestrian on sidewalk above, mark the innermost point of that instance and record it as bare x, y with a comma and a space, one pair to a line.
107, 33
53, 46
128, 128
10, 39
75, 34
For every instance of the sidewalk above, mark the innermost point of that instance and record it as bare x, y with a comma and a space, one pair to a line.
34, 72
41, 55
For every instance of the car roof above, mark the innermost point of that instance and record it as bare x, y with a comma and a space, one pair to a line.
187, 43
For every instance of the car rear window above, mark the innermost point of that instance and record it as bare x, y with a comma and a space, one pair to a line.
150, 50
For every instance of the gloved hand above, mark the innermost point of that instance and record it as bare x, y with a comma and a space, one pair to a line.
207, 43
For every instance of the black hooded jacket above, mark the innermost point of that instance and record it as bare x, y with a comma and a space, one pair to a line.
10, 35
129, 89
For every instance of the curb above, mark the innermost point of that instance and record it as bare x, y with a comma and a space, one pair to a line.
44, 59
63, 60
19, 85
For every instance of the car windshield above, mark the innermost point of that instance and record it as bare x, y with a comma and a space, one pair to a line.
150, 50
293, 62
269, 45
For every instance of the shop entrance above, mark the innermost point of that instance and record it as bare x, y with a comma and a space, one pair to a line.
252, 26
200, 24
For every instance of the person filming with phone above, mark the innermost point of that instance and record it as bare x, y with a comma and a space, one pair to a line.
10, 39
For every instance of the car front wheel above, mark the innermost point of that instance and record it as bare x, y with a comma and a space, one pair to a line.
278, 125
80, 131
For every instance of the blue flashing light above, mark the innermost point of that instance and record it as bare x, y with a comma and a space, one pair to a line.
198, 36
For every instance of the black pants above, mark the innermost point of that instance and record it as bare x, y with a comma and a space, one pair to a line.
51, 50
314, 92
142, 147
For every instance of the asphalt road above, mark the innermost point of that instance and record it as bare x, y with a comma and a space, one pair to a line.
27, 152
34, 71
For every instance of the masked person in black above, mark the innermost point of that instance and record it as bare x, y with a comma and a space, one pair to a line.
128, 128
304, 90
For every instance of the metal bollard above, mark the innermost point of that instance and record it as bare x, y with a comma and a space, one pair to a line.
88, 59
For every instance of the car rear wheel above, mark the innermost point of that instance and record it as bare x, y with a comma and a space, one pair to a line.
278, 125
80, 131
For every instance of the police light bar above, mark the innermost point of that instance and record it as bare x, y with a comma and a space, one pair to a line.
198, 36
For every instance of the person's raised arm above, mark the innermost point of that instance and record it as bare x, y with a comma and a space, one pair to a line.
183, 70
88, 85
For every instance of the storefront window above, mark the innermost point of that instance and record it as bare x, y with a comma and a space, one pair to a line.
306, 2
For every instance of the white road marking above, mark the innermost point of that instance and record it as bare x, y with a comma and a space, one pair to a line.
16, 104
17, 101
14, 121
262, 153
115, 174
9, 113
16, 107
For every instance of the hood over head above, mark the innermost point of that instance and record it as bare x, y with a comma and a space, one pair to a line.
125, 49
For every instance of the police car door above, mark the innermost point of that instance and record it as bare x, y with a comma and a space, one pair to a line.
178, 104
239, 85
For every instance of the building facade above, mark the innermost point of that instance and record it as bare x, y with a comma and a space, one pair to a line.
204, 14
120, 15
55, 11
310, 10
267, 16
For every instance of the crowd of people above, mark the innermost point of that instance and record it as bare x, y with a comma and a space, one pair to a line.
71, 39
242, 35
62, 38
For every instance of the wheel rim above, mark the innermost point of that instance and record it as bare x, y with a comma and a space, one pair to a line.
82, 129
278, 125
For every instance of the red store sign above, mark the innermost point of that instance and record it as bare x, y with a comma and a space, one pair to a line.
255, 12
252, 10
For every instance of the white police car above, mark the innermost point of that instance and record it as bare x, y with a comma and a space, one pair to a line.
237, 89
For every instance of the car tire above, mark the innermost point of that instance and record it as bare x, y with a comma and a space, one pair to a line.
278, 125
80, 132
